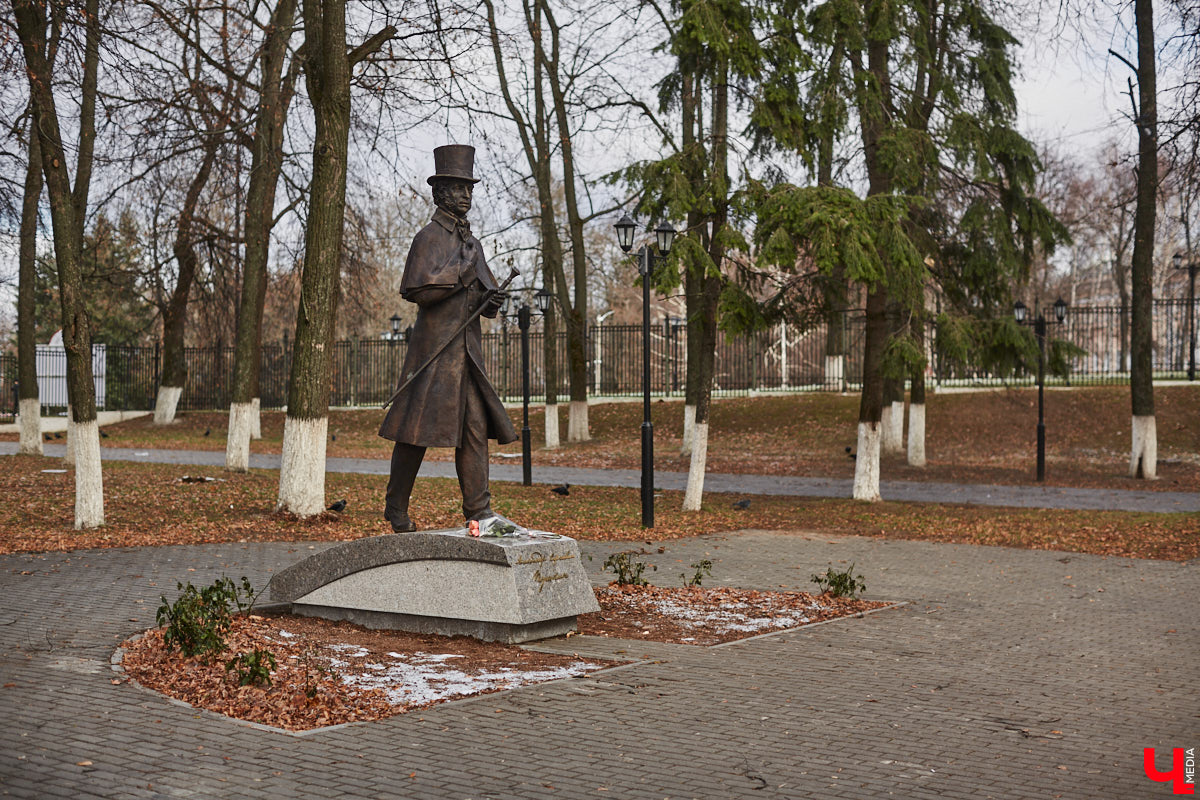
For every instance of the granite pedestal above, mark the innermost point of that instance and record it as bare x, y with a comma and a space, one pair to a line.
509, 589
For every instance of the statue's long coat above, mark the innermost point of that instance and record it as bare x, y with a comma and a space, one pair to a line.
446, 275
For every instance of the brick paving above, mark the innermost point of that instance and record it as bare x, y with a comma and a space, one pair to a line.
1009, 674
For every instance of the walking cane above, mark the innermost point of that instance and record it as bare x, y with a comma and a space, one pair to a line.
474, 315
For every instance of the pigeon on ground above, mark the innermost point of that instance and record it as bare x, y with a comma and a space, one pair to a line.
742, 504
563, 490
339, 506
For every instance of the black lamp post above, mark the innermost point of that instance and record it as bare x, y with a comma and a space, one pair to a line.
1190, 265
524, 318
1039, 331
664, 235
392, 368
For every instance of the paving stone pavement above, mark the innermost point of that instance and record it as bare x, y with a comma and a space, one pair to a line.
1009, 674
785, 485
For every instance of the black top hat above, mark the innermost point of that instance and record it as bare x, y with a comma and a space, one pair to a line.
454, 161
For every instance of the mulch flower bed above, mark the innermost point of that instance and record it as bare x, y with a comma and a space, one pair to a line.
706, 616
328, 673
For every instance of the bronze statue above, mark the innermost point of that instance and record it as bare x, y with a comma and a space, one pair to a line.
445, 398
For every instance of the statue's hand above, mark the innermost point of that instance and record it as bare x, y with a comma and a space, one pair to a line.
494, 304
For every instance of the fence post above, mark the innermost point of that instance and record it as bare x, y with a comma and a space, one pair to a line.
354, 345
754, 354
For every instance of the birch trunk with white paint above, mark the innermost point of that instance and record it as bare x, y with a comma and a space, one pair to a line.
866, 465
551, 419
695, 482
1143, 457
892, 428
165, 404
916, 434
29, 414
689, 429
237, 442
89, 479
302, 466
577, 422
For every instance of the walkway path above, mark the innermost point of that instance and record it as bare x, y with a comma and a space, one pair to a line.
971, 494
1010, 674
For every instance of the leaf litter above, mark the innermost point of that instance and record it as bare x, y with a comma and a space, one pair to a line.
329, 673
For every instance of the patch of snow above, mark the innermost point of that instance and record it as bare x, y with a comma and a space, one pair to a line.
422, 657
420, 678
351, 650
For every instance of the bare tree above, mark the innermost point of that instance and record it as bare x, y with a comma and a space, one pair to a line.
30, 406
68, 206
327, 77
276, 88
1143, 455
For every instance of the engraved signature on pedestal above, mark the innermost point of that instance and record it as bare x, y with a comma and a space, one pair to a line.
542, 580
538, 557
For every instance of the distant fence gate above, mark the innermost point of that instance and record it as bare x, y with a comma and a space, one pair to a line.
782, 358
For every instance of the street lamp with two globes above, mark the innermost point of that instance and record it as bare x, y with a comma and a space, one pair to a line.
1020, 311
664, 236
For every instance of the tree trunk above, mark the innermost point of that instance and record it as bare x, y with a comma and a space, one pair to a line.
174, 367
870, 409
535, 142
874, 103
266, 162
711, 286
327, 75
689, 110
836, 289
1143, 455
576, 313
550, 367
67, 210
706, 357
891, 423
916, 402
30, 409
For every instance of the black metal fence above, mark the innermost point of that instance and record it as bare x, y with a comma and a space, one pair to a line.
366, 371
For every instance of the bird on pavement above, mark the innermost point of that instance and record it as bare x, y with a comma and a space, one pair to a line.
742, 504
339, 506
563, 490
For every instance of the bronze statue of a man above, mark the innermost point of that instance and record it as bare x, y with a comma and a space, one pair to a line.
450, 403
